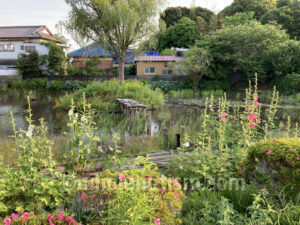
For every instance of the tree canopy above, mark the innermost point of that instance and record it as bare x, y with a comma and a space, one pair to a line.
117, 25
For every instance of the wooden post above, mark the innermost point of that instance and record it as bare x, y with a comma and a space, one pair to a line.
165, 134
177, 141
149, 123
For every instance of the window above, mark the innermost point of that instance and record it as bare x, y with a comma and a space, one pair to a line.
167, 72
29, 48
7, 48
150, 70
22, 47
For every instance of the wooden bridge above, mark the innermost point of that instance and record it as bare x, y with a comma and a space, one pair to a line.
131, 107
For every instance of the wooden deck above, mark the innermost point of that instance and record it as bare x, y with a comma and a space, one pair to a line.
131, 107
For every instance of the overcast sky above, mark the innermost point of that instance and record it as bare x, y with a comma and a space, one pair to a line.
45, 12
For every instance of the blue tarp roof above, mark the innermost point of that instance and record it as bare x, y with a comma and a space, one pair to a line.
97, 50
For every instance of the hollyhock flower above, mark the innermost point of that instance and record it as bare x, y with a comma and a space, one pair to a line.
157, 221
210, 106
162, 191
121, 178
298, 158
147, 178
223, 117
7, 221
25, 216
269, 152
175, 181
286, 151
274, 139
114, 186
242, 164
255, 102
249, 109
51, 223
82, 195
258, 121
252, 116
106, 193
251, 125
14, 216
61, 216
50, 217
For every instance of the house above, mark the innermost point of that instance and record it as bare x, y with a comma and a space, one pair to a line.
81, 55
157, 65
20, 39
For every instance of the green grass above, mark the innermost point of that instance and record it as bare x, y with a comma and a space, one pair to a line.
103, 95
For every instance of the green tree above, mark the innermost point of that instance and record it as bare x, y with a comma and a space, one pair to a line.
117, 24
29, 64
245, 47
239, 19
196, 64
56, 58
286, 14
167, 52
182, 35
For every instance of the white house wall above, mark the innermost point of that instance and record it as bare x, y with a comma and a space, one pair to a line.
41, 49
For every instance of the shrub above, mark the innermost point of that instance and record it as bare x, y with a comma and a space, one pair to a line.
130, 70
103, 95
278, 159
56, 57
167, 86
29, 64
290, 84
91, 67
140, 196
74, 70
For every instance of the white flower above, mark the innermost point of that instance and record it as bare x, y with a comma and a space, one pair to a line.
70, 112
83, 119
186, 145
29, 132
76, 115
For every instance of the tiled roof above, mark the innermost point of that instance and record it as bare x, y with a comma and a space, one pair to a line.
26, 32
159, 59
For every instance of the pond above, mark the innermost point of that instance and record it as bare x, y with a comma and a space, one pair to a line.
42, 105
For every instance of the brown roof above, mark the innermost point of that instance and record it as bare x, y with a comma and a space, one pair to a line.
159, 59
27, 32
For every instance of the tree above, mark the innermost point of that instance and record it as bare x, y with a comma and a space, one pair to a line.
245, 47
29, 64
56, 57
286, 14
168, 52
182, 35
117, 24
238, 19
196, 64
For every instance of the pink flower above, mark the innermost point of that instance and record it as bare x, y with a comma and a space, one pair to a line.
223, 117
7, 221
258, 121
249, 109
243, 171
252, 116
106, 193
114, 186
162, 191
251, 125
121, 178
255, 102
175, 181
82, 195
269, 152
274, 139
210, 106
298, 158
61, 216
242, 164
147, 178
14, 216
25, 216
286, 151
176, 194
92, 196
148, 172
50, 217
51, 223
157, 221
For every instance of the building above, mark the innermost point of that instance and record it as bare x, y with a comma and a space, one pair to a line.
20, 39
157, 65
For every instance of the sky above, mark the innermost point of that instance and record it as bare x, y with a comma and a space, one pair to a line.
49, 13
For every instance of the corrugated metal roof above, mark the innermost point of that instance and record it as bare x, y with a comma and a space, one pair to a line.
26, 32
159, 59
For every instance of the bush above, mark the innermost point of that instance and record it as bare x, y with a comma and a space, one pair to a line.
103, 95
74, 70
167, 86
91, 67
140, 196
56, 57
290, 84
277, 159
29, 64
130, 70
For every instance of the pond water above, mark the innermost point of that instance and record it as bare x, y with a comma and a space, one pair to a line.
42, 105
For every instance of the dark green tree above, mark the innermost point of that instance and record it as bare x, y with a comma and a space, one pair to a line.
56, 58
29, 64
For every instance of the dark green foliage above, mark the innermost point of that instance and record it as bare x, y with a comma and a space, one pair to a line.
29, 64
130, 70
167, 52
241, 199
74, 70
290, 84
182, 35
238, 19
172, 15
91, 67
286, 14
245, 48
56, 57
167, 86
214, 85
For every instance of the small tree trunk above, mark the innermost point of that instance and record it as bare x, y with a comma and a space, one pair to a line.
121, 69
